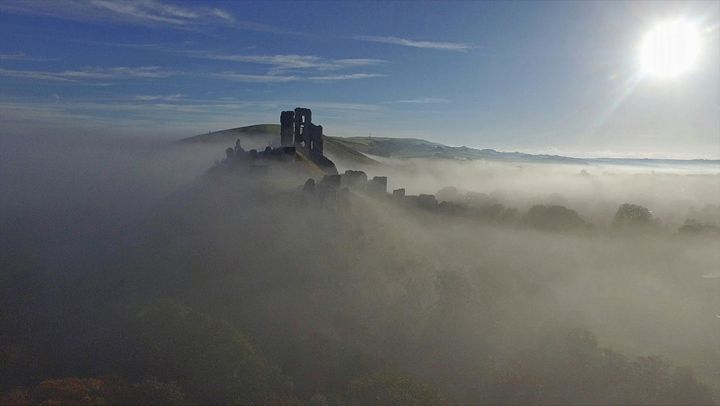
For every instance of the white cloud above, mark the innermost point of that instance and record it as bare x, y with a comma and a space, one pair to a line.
337, 106
93, 74
147, 11
350, 76
444, 46
285, 62
179, 116
282, 64
170, 97
33, 75
20, 56
130, 11
424, 100
223, 14
242, 77
121, 72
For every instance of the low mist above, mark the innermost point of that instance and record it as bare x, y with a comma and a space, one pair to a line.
672, 193
111, 244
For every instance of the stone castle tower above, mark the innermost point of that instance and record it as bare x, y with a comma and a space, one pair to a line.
297, 129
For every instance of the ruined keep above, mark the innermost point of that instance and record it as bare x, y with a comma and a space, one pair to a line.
287, 119
296, 128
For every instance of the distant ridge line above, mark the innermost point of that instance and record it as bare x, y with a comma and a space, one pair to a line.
360, 146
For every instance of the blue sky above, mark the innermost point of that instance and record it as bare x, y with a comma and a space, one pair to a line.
551, 77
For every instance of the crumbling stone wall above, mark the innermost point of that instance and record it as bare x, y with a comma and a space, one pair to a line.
287, 121
316, 140
303, 119
377, 185
355, 180
296, 128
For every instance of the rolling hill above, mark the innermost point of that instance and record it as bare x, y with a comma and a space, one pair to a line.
418, 148
260, 135
360, 150
259, 131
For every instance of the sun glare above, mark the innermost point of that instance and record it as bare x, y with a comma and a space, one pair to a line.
669, 49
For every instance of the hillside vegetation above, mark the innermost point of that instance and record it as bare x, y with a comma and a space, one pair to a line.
260, 135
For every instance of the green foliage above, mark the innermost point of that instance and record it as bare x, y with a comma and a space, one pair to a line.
276, 399
322, 363
694, 227
392, 388
583, 372
154, 392
632, 215
18, 397
71, 391
553, 218
17, 365
210, 359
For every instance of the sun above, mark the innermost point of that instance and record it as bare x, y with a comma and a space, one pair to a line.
669, 49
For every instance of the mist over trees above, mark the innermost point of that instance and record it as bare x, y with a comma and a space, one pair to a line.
128, 276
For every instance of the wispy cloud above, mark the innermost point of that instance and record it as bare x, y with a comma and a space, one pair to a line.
148, 12
424, 100
169, 97
291, 68
241, 77
20, 56
34, 75
350, 76
91, 75
222, 14
443, 46
285, 62
181, 116
157, 11
120, 72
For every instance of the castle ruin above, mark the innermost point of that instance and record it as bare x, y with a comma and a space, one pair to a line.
297, 129
300, 141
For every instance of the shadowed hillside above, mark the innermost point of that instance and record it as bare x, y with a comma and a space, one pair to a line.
259, 135
230, 135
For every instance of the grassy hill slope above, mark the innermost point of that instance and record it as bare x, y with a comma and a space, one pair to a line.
353, 150
232, 134
269, 134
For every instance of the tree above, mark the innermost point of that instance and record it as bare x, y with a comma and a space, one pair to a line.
154, 392
71, 391
583, 372
553, 218
210, 359
18, 397
392, 388
632, 215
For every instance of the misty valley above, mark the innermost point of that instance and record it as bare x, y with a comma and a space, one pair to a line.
139, 272
381, 203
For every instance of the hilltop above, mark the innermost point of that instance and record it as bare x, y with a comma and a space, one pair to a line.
230, 135
260, 135
360, 150
356, 149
